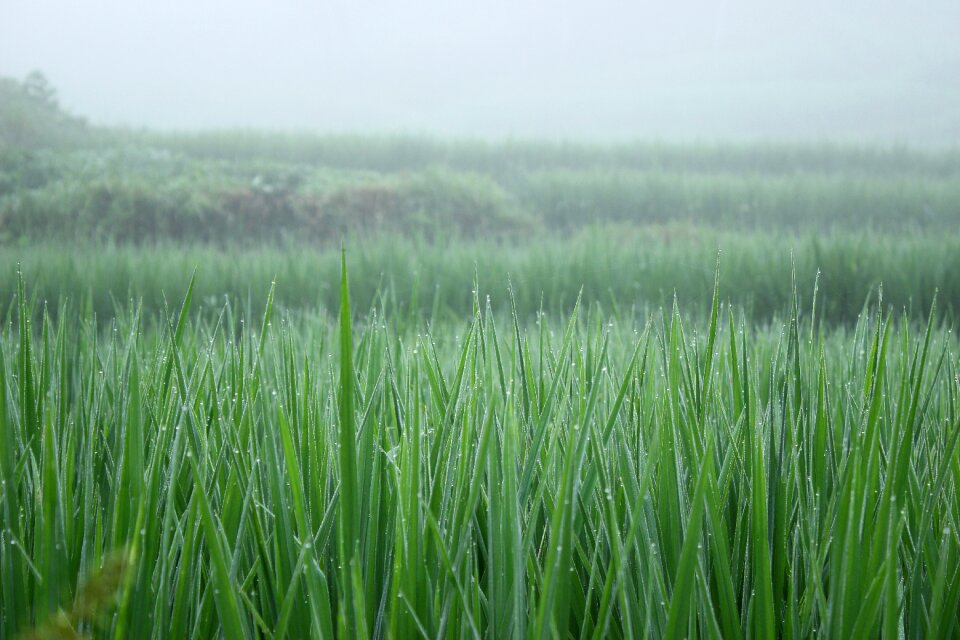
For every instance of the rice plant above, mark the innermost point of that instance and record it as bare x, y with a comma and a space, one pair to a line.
626, 270
170, 476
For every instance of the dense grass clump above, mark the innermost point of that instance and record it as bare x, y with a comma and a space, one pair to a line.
625, 270
611, 476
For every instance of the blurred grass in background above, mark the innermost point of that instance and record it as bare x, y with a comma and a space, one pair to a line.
622, 269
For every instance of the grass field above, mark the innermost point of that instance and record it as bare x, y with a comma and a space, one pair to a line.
587, 476
141, 194
567, 390
624, 270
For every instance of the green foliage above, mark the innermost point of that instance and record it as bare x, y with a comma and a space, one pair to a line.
503, 160
602, 478
31, 117
251, 466
627, 271
233, 189
135, 196
727, 200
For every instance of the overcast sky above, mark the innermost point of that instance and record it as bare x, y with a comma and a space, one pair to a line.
603, 69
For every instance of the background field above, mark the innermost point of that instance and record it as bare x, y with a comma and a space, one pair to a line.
96, 214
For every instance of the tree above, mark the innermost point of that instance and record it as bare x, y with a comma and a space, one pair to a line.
38, 88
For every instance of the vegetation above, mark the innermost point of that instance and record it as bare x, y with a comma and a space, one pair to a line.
63, 181
599, 478
31, 117
145, 195
626, 271
513, 430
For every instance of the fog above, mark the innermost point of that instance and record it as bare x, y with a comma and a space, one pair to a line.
858, 70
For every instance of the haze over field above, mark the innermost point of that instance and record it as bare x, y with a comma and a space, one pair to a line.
861, 71
426, 318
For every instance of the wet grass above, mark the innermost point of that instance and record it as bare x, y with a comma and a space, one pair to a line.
608, 475
627, 271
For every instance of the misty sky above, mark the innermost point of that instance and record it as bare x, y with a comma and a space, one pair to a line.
604, 69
